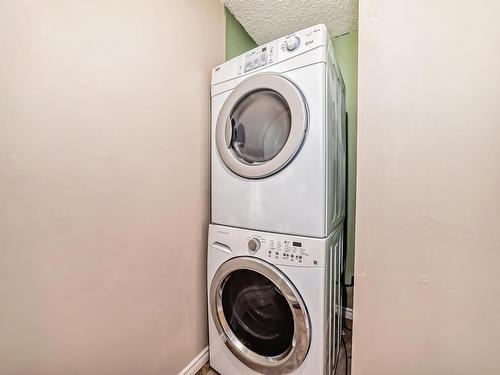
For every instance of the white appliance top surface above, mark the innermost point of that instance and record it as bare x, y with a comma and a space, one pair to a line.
272, 53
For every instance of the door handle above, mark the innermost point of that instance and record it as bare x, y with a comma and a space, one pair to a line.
221, 246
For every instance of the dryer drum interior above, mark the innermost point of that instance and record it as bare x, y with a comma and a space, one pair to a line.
260, 315
260, 126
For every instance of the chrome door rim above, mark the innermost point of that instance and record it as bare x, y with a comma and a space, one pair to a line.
298, 112
280, 364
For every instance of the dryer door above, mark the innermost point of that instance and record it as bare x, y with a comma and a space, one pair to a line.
260, 315
261, 126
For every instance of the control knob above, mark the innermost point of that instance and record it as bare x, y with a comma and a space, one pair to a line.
292, 43
254, 244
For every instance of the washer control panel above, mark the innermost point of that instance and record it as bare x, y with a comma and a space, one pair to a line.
291, 251
281, 249
278, 249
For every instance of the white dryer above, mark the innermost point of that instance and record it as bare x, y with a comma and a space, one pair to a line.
272, 302
278, 149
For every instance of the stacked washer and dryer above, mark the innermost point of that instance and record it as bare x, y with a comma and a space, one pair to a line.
278, 175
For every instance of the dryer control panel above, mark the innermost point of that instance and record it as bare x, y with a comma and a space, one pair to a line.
259, 58
282, 49
272, 53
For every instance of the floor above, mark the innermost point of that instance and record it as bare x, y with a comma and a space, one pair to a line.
341, 370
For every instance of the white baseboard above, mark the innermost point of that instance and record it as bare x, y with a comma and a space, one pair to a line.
348, 313
196, 364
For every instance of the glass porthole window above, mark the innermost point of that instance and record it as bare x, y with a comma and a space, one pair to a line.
257, 313
260, 126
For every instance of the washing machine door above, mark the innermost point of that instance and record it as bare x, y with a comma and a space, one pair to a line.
261, 126
260, 315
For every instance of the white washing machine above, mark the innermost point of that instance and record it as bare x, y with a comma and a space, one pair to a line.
272, 302
278, 149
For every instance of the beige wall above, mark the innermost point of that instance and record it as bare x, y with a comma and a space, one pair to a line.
427, 239
104, 109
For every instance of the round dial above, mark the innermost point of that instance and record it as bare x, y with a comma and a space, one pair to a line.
292, 43
254, 244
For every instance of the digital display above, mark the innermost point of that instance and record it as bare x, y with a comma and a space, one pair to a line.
297, 244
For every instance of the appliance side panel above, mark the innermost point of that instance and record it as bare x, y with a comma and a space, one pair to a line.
336, 144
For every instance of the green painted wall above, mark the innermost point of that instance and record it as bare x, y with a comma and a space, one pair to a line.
237, 39
346, 50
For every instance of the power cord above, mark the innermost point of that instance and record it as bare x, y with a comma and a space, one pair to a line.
344, 287
346, 356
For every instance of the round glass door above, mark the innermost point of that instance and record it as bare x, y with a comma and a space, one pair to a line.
257, 313
261, 126
261, 315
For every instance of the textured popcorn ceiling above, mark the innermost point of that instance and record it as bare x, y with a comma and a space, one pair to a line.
266, 20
